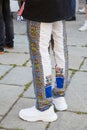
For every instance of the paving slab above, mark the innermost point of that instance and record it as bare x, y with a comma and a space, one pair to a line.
18, 76
76, 93
8, 95
19, 27
75, 37
75, 61
69, 75
77, 51
21, 39
4, 69
2, 129
14, 58
0, 117
84, 66
30, 92
69, 121
13, 121
29, 63
18, 48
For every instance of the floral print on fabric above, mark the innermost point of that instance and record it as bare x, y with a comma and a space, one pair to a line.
43, 91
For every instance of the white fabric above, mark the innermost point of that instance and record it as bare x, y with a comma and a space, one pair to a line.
14, 5
46, 29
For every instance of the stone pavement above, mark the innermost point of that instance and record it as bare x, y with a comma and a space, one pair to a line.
16, 88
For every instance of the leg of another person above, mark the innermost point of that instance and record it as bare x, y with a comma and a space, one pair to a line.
2, 37
84, 27
9, 29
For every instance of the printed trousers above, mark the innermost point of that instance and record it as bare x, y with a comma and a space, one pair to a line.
39, 35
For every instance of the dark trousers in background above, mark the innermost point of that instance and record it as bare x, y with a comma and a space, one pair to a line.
73, 7
6, 25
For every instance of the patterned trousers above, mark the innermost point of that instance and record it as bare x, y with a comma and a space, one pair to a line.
39, 35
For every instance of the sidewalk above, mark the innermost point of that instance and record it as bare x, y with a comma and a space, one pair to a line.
16, 89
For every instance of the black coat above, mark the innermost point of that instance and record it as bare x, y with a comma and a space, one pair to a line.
47, 10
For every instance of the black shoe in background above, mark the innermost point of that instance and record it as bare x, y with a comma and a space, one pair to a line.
9, 45
2, 50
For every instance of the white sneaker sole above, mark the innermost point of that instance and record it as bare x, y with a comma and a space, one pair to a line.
32, 119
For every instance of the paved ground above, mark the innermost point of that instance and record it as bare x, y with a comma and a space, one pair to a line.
16, 88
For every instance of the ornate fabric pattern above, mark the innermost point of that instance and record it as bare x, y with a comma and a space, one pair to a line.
43, 91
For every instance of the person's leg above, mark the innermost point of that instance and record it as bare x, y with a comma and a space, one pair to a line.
84, 27
40, 58
59, 90
9, 29
86, 10
73, 8
73, 16
39, 36
86, 14
1, 29
66, 81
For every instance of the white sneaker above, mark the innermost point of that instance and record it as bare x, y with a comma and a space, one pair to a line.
32, 114
60, 103
82, 10
83, 28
